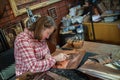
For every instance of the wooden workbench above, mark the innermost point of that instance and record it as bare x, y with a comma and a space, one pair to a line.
99, 70
102, 48
97, 48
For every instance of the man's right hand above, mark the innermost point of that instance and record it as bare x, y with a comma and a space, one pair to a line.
61, 57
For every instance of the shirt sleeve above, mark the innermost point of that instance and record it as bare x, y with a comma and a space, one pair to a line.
30, 61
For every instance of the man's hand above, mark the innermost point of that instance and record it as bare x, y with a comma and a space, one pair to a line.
61, 57
47, 56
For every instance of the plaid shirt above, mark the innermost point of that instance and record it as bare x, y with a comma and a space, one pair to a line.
29, 54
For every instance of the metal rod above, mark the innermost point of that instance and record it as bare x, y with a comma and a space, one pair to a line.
91, 13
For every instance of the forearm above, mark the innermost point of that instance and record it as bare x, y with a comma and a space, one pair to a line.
41, 65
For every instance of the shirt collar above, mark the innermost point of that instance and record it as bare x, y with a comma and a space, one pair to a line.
30, 33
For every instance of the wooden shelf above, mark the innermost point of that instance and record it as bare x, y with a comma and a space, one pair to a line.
106, 32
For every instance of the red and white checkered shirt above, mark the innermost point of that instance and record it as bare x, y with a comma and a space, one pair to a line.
30, 54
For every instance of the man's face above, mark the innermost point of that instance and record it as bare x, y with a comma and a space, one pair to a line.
47, 32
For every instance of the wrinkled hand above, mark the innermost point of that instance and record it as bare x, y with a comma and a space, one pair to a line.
61, 57
47, 56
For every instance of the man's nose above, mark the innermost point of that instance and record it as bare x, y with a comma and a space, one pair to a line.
48, 36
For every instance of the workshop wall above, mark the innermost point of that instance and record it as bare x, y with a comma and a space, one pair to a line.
61, 9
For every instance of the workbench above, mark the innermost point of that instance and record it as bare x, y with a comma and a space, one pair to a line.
95, 70
99, 70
